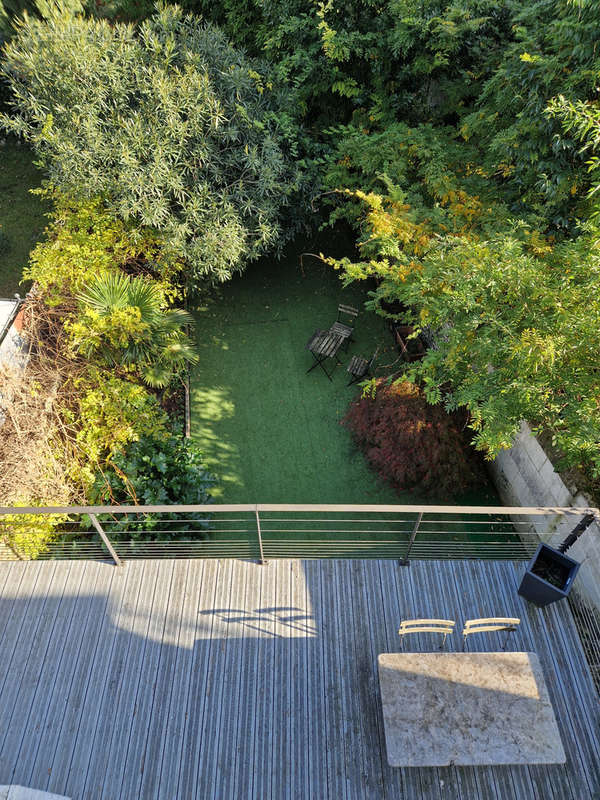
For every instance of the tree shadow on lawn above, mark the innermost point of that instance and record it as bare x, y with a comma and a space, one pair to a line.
22, 218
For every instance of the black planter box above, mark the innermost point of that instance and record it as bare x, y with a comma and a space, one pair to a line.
540, 591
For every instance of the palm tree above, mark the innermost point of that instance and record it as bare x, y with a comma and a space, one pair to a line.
125, 323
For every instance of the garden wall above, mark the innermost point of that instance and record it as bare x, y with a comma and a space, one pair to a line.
12, 347
525, 476
12, 354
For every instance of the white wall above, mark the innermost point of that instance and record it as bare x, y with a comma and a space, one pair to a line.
12, 347
525, 476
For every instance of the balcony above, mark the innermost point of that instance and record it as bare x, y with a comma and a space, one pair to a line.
222, 678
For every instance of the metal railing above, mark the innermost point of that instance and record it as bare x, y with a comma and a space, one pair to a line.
587, 620
272, 531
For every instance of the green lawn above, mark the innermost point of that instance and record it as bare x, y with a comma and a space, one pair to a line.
269, 431
22, 218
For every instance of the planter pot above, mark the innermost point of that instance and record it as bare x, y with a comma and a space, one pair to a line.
549, 576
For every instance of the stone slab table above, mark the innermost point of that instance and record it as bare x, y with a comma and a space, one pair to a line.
467, 709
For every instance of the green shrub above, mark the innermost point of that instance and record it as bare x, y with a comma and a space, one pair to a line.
124, 322
171, 126
516, 324
106, 414
85, 241
156, 471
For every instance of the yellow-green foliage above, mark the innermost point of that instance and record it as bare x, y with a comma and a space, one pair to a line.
100, 406
111, 412
84, 241
125, 323
29, 535
92, 330
517, 331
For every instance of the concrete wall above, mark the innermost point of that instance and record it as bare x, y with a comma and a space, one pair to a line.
525, 476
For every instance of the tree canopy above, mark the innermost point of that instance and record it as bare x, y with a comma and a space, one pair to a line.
478, 217
516, 335
459, 138
171, 126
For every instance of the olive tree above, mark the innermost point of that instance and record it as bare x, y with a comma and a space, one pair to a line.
166, 122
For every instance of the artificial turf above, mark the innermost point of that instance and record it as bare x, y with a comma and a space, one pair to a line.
269, 431
22, 218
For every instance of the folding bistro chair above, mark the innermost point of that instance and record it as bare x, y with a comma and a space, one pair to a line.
487, 624
323, 345
360, 368
443, 626
344, 324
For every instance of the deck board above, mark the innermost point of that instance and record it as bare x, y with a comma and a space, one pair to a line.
152, 756
465, 781
258, 768
552, 780
213, 695
334, 720
12, 575
106, 779
227, 729
16, 655
211, 585
101, 704
478, 601
62, 649
153, 685
66, 702
29, 663
217, 679
174, 736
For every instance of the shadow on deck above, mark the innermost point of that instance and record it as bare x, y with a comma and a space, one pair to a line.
225, 679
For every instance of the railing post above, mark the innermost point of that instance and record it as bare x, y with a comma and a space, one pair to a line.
106, 540
258, 531
404, 562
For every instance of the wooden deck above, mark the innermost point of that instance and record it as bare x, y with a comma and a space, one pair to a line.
224, 679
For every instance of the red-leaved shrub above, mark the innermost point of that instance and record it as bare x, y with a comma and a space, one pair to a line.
411, 443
